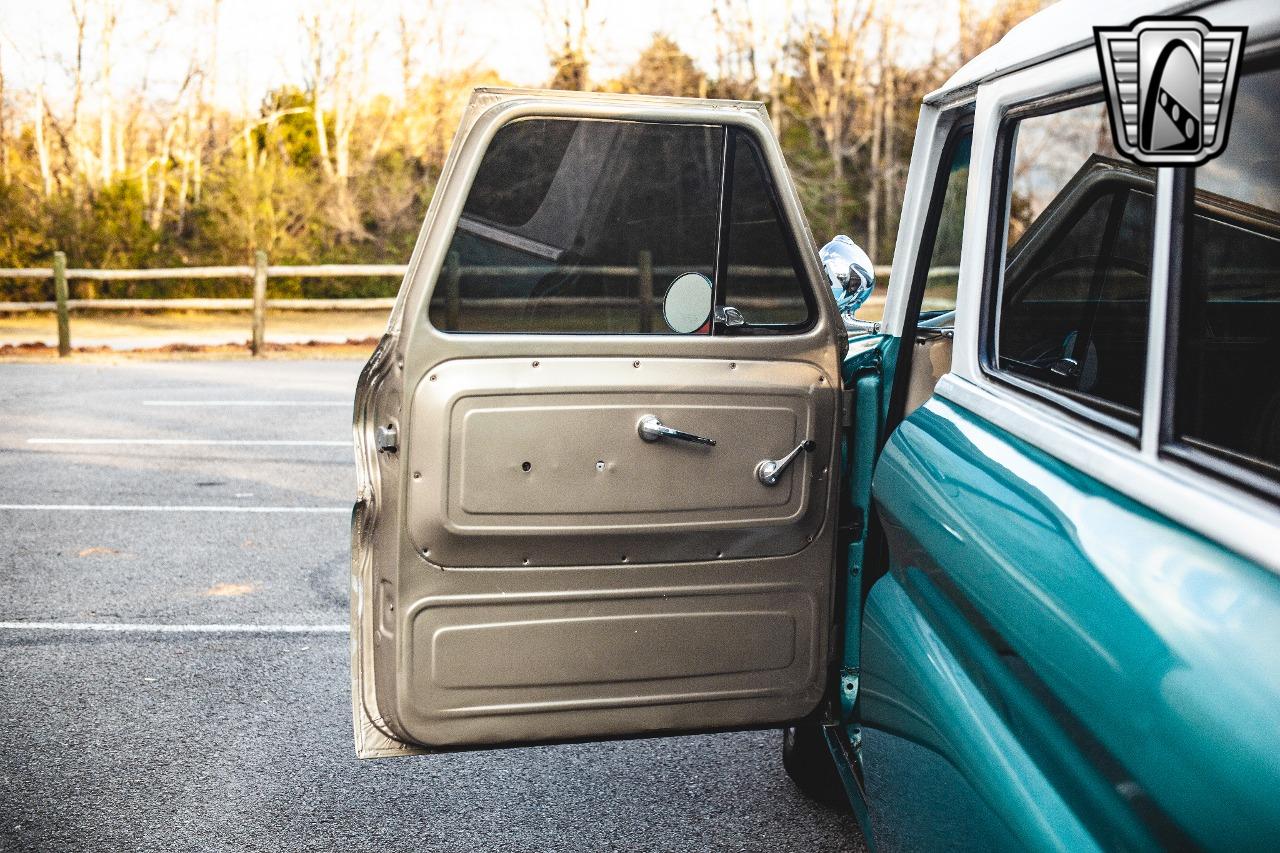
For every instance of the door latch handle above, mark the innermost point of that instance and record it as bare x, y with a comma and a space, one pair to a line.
770, 470
652, 429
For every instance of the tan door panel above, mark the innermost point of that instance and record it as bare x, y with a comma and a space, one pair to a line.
508, 475
519, 666
525, 567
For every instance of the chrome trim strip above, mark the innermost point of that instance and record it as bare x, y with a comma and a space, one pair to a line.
1153, 390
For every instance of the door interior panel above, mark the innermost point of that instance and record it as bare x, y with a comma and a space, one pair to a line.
612, 573
517, 465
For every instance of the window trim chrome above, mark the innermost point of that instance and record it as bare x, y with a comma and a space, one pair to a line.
1156, 398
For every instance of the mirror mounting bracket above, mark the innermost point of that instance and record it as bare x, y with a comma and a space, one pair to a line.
728, 316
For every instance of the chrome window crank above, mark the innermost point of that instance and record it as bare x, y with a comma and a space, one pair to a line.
769, 470
652, 429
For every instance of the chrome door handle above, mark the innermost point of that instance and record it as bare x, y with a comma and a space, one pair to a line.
769, 470
652, 429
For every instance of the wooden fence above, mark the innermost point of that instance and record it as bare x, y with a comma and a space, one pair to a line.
261, 271
258, 304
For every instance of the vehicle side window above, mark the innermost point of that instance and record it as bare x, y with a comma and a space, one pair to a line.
580, 226
761, 279
934, 283
1074, 299
1227, 393
943, 274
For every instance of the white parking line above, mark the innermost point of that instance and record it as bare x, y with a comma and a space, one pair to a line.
150, 628
192, 442
158, 508
346, 404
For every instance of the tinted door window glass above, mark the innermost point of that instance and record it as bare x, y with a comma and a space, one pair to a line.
943, 274
761, 280
1228, 350
578, 226
1074, 301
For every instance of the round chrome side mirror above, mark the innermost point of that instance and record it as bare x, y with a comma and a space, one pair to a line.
850, 272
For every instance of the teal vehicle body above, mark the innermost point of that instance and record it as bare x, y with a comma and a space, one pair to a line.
1062, 613
1106, 675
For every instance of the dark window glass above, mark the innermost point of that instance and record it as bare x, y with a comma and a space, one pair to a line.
579, 226
1228, 372
517, 170
761, 280
944, 262
1075, 296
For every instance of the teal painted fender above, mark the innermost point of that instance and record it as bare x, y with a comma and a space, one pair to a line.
932, 700
1098, 674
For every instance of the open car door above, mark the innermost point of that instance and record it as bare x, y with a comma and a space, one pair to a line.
598, 447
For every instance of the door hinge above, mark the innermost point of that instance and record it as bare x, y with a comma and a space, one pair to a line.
846, 408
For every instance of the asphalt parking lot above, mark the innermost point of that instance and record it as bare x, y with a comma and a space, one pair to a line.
200, 509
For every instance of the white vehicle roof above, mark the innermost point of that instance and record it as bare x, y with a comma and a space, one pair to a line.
1061, 28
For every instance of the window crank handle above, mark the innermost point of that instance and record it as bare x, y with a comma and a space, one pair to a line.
770, 470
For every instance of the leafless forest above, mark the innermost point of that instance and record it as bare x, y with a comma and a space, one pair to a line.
333, 169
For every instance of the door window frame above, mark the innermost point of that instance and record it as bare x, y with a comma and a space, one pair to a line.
995, 259
735, 138
961, 121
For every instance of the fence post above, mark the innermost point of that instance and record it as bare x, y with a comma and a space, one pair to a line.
452, 292
259, 301
645, 266
60, 293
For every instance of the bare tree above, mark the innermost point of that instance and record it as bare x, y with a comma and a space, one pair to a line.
737, 75
106, 158
568, 26
80, 16
980, 31
42, 145
339, 44
833, 76
883, 162
6, 175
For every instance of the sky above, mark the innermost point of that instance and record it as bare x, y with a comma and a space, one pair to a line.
260, 43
